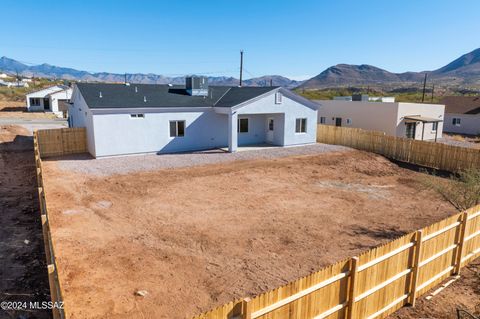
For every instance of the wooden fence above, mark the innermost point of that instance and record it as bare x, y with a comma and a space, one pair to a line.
373, 284
429, 154
64, 141
53, 280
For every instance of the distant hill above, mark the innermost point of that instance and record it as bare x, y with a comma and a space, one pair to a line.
51, 71
463, 71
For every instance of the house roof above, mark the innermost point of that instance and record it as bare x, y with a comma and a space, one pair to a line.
462, 104
46, 91
160, 95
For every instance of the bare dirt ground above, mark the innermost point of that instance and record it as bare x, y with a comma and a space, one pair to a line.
23, 272
16, 109
198, 237
462, 294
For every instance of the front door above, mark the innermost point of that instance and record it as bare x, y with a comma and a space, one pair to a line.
46, 104
270, 128
410, 130
338, 121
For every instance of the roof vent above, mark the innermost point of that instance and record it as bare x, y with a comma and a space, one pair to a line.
136, 90
170, 84
145, 99
196, 85
100, 94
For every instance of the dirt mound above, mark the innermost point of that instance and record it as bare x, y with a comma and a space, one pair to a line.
15, 138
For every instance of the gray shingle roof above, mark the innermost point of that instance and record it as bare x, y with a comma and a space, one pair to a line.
159, 95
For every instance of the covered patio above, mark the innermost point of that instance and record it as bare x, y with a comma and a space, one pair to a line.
417, 118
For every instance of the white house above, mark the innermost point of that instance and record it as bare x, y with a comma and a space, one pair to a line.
462, 114
144, 118
411, 120
51, 99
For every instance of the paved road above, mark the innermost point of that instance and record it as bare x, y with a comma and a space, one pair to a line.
34, 124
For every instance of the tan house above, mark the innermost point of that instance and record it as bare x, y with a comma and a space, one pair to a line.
412, 120
462, 114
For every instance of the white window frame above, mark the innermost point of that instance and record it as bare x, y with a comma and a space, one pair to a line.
434, 126
278, 98
348, 122
456, 121
303, 126
137, 116
323, 120
238, 125
176, 128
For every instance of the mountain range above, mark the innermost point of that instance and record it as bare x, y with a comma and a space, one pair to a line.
464, 71
51, 71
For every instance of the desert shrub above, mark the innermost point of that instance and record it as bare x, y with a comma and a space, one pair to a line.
462, 190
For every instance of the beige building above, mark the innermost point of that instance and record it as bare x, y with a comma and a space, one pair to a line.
462, 114
412, 120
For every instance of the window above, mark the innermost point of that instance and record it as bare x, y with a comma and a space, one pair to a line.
456, 121
349, 121
434, 126
278, 98
270, 124
34, 101
137, 115
323, 120
301, 126
243, 125
177, 128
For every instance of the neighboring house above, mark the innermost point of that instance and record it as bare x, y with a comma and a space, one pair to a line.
411, 120
50, 99
145, 118
3, 75
462, 114
14, 84
365, 98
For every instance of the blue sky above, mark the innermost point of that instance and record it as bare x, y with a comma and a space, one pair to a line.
297, 39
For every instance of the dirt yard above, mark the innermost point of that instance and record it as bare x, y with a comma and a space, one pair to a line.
197, 237
463, 294
23, 272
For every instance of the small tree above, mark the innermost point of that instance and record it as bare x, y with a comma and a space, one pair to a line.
463, 189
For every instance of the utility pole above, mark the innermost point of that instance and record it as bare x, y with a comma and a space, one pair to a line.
241, 66
125, 78
424, 86
271, 82
433, 89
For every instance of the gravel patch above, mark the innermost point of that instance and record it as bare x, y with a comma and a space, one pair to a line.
137, 163
460, 140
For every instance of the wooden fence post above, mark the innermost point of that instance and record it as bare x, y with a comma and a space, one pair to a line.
246, 308
461, 241
415, 268
351, 286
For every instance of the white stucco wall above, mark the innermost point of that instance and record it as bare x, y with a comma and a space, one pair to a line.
118, 133
81, 116
381, 116
469, 124
285, 115
372, 116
